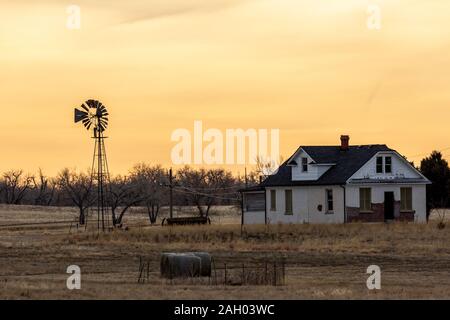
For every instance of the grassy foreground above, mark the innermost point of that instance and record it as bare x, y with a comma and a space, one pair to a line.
322, 261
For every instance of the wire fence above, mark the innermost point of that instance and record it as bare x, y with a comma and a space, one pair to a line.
265, 273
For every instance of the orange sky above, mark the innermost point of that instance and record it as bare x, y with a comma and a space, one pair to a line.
310, 68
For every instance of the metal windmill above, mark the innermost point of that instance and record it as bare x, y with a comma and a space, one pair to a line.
94, 116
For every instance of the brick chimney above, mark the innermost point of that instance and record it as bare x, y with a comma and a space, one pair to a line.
344, 142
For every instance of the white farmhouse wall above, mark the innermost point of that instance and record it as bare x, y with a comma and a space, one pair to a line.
419, 203
352, 193
305, 203
378, 190
318, 197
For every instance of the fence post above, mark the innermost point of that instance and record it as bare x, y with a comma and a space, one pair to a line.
274, 273
265, 273
225, 274
213, 262
141, 269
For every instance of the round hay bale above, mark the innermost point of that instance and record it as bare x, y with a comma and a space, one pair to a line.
206, 262
180, 265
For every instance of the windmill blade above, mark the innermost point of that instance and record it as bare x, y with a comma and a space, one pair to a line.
90, 103
103, 125
84, 107
87, 123
102, 109
80, 115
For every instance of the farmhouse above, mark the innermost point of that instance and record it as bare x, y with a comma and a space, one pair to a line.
338, 184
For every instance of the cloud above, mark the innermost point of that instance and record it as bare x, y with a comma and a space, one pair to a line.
131, 11
128, 11
161, 9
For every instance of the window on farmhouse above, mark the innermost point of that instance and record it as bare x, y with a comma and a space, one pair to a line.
288, 199
379, 164
305, 164
330, 206
406, 199
273, 200
365, 199
254, 201
388, 164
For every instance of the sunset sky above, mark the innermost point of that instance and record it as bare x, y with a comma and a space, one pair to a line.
312, 69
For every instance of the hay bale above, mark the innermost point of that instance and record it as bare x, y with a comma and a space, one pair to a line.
185, 265
176, 265
206, 260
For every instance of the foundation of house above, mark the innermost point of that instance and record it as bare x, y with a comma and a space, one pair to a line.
377, 213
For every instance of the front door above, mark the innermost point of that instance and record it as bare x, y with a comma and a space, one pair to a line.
388, 206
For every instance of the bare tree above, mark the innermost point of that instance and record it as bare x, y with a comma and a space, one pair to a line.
190, 182
45, 188
15, 185
78, 187
267, 167
149, 182
123, 195
205, 188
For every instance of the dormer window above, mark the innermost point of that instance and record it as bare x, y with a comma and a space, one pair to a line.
384, 164
388, 165
379, 164
304, 164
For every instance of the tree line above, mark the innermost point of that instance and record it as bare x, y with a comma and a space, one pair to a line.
437, 170
145, 185
148, 186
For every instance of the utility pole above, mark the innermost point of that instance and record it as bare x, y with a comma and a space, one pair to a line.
171, 193
245, 175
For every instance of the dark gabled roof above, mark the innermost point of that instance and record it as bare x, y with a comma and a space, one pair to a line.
345, 164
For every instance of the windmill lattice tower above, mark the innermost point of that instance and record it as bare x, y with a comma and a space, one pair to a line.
94, 117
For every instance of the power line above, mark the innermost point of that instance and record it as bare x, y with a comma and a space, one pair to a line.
204, 194
217, 188
197, 191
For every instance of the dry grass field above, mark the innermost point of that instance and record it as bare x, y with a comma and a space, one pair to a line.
322, 261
